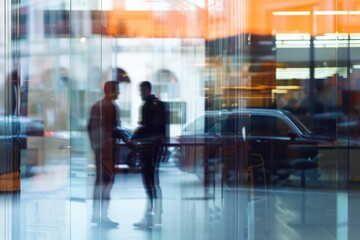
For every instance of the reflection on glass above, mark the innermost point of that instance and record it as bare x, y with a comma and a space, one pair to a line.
240, 79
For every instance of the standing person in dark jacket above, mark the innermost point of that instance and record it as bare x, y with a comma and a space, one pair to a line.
150, 135
103, 130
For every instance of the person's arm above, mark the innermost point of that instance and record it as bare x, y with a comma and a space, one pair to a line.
117, 131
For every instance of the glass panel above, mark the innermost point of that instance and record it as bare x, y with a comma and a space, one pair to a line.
251, 129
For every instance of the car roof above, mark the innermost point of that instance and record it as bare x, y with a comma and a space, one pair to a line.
269, 111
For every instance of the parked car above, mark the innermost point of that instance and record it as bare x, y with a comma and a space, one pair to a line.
126, 156
18, 135
131, 157
277, 135
337, 124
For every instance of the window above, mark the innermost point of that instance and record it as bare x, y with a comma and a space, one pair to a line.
166, 84
269, 126
202, 124
234, 124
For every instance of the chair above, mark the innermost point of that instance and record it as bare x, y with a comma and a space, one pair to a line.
256, 161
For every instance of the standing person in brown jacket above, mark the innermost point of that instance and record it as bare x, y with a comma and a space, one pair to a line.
103, 130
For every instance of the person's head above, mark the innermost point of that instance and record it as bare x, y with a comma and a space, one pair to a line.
111, 89
145, 89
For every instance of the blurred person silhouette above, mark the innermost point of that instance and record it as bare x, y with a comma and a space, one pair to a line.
12, 86
24, 96
291, 105
310, 104
149, 136
308, 107
103, 129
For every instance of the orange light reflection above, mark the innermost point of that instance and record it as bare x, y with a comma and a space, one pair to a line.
234, 17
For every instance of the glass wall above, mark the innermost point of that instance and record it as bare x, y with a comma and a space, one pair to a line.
262, 102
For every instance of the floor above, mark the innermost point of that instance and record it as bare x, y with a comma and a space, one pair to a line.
54, 206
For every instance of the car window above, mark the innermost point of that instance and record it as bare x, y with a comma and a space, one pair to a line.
268, 126
298, 124
229, 125
234, 124
260, 126
217, 128
202, 124
282, 129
